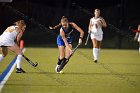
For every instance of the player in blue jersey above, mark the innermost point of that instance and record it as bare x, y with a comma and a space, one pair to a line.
64, 40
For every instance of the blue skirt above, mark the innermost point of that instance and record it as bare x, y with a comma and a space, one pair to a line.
60, 41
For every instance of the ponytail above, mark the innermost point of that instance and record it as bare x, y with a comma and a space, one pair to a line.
55, 27
59, 25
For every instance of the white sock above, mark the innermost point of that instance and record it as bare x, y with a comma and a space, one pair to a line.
18, 61
97, 50
139, 49
1, 57
95, 53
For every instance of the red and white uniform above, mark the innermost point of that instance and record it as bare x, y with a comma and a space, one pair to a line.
8, 37
96, 30
139, 37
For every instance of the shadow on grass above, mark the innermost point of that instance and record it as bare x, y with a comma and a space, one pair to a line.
88, 74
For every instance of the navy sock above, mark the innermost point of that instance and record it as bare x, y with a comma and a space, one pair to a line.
59, 61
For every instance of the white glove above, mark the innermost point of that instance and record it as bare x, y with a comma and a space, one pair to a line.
50, 27
80, 41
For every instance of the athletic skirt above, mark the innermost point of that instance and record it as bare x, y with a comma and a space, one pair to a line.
97, 37
60, 41
6, 42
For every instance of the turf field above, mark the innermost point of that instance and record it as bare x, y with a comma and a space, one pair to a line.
118, 71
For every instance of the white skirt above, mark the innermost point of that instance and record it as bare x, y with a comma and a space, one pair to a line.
97, 37
7, 43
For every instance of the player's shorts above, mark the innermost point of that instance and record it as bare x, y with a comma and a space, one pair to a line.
6, 43
60, 41
97, 37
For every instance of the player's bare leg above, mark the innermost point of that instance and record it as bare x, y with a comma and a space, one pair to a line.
139, 47
67, 54
4, 53
61, 58
96, 48
16, 49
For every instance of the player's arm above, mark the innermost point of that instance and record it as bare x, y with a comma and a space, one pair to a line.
90, 26
79, 30
64, 39
139, 28
103, 22
19, 35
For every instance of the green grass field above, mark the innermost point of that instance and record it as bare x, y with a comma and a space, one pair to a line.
118, 71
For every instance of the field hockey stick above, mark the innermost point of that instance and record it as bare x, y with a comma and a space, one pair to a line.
67, 59
30, 62
73, 51
87, 39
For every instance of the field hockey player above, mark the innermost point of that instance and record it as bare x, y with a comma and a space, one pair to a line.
64, 40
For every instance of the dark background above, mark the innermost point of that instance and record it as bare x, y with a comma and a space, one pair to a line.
40, 14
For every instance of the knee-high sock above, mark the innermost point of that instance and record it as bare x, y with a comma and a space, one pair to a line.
18, 61
1, 57
65, 61
95, 53
59, 61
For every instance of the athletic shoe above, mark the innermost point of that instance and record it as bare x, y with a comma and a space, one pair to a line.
20, 70
57, 68
95, 61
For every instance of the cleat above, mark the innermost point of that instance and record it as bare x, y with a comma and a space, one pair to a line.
61, 72
20, 70
95, 61
57, 68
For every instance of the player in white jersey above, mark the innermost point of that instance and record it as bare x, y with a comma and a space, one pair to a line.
95, 29
10, 39
137, 36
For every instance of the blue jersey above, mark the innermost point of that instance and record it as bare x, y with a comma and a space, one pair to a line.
68, 35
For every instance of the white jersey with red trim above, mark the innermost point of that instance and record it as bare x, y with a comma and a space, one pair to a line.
8, 36
96, 26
